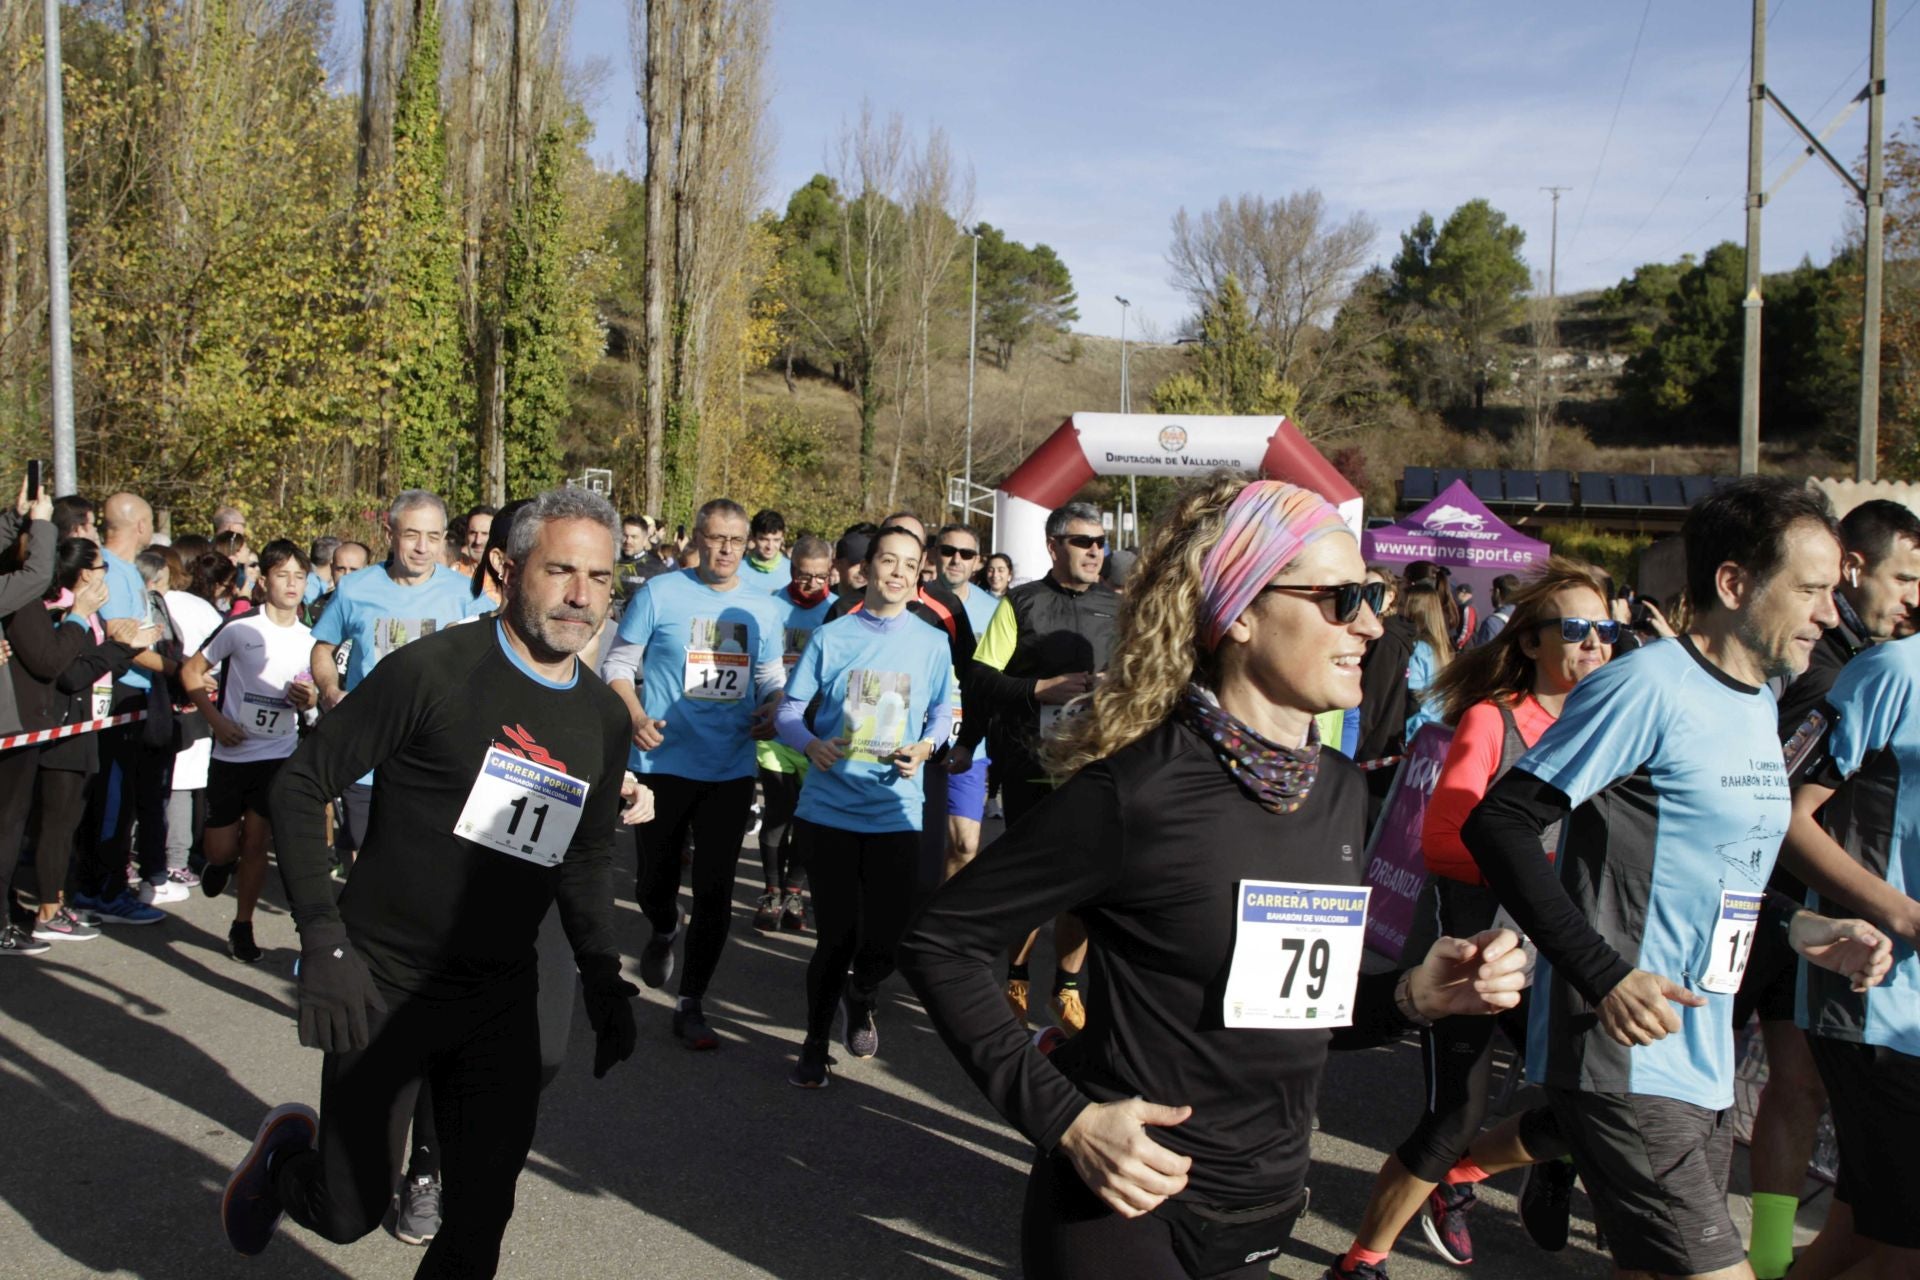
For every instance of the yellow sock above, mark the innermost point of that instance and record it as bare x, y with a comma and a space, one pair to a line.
1771, 1249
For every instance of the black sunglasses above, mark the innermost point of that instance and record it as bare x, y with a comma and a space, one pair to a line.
1346, 596
1574, 630
958, 553
1082, 541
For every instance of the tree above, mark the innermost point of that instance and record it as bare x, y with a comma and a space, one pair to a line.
1023, 293
1232, 372
1458, 287
1292, 260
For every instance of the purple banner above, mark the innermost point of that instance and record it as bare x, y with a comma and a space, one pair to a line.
1395, 867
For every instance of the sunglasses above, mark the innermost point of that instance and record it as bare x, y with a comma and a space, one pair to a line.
1346, 596
1084, 541
957, 553
1574, 630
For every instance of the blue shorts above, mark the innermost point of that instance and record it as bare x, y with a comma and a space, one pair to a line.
967, 792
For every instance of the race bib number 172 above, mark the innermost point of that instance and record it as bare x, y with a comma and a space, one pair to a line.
1296, 955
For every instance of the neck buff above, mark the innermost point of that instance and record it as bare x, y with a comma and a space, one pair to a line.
1267, 526
764, 566
1277, 777
807, 599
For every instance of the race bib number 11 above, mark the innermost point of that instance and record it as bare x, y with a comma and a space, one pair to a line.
1296, 955
525, 810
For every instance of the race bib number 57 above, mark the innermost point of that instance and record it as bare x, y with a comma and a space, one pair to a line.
522, 809
1296, 955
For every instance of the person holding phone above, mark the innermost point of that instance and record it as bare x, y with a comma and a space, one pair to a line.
886, 691
265, 685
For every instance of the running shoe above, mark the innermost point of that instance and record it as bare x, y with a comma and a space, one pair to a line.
168, 890
810, 1072
1360, 1271
1068, 1011
15, 941
863, 1037
793, 913
656, 959
1017, 998
251, 1207
1546, 1203
122, 908
64, 926
142, 890
213, 881
1444, 1219
183, 876
417, 1220
766, 916
240, 942
691, 1029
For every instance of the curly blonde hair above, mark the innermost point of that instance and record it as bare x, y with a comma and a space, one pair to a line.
1159, 650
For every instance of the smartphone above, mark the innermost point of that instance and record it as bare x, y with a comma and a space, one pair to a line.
35, 479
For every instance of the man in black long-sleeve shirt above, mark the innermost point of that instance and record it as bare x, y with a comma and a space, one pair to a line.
500, 761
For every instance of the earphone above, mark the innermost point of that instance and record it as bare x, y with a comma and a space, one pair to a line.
1853, 576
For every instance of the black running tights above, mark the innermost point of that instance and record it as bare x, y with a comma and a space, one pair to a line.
862, 895
716, 813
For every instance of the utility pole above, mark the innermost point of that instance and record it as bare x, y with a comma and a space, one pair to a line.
1553, 253
66, 477
1866, 465
1756, 199
973, 347
1126, 399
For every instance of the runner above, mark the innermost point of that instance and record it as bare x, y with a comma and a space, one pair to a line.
956, 550
1853, 839
1500, 696
1046, 648
1197, 803
850, 562
706, 653
997, 576
886, 689
1879, 588
1667, 763
764, 566
498, 761
783, 856
254, 711
373, 615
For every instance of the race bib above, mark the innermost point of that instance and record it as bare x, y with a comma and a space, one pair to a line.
1054, 718
1732, 941
526, 810
717, 667
875, 710
796, 644
102, 700
1296, 955
267, 717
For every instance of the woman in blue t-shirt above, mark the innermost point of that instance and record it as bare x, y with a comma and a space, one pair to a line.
881, 685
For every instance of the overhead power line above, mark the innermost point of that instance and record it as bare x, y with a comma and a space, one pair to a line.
1607, 142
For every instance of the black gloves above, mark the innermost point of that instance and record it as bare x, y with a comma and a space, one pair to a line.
610, 1011
336, 991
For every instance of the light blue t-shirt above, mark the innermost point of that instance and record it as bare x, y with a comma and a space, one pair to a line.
1680, 795
126, 598
1875, 815
770, 580
1421, 674
379, 615
980, 604
313, 590
884, 687
704, 669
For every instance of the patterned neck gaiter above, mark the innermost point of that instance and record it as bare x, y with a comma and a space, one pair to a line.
1275, 776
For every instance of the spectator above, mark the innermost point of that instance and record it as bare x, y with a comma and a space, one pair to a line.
73, 517
997, 575
197, 619
229, 520
1503, 588
1432, 651
320, 556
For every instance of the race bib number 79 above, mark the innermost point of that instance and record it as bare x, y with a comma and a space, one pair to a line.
525, 810
1296, 955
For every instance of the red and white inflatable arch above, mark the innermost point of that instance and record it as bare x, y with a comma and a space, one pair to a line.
1149, 444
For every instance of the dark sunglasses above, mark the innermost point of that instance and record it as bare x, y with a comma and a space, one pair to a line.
1082, 541
957, 553
1574, 630
1346, 596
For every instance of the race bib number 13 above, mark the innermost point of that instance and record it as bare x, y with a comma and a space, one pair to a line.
1732, 943
522, 809
1296, 955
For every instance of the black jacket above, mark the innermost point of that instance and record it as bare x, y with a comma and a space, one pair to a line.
1057, 632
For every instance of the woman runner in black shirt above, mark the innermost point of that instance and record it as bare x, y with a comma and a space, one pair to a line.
1195, 773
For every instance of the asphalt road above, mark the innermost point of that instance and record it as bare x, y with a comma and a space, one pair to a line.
135, 1068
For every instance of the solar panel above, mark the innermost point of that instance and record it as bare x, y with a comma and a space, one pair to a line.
1665, 491
1485, 483
1521, 486
1630, 490
1596, 489
1556, 487
1417, 486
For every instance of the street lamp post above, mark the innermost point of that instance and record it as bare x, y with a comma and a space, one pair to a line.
65, 478
1126, 406
973, 347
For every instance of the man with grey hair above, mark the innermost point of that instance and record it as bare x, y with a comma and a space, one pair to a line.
320, 578
226, 518
499, 760
1046, 646
705, 651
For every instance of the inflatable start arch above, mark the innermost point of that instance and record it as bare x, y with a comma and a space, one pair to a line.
1151, 444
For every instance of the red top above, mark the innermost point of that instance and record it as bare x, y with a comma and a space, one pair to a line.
1464, 779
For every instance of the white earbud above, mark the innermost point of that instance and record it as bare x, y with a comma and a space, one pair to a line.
1853, 576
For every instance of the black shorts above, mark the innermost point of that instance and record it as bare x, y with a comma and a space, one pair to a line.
237, 789
1874, 1092
1656, 1172
1768, 986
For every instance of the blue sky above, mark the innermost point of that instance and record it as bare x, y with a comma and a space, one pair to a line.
1089, 124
